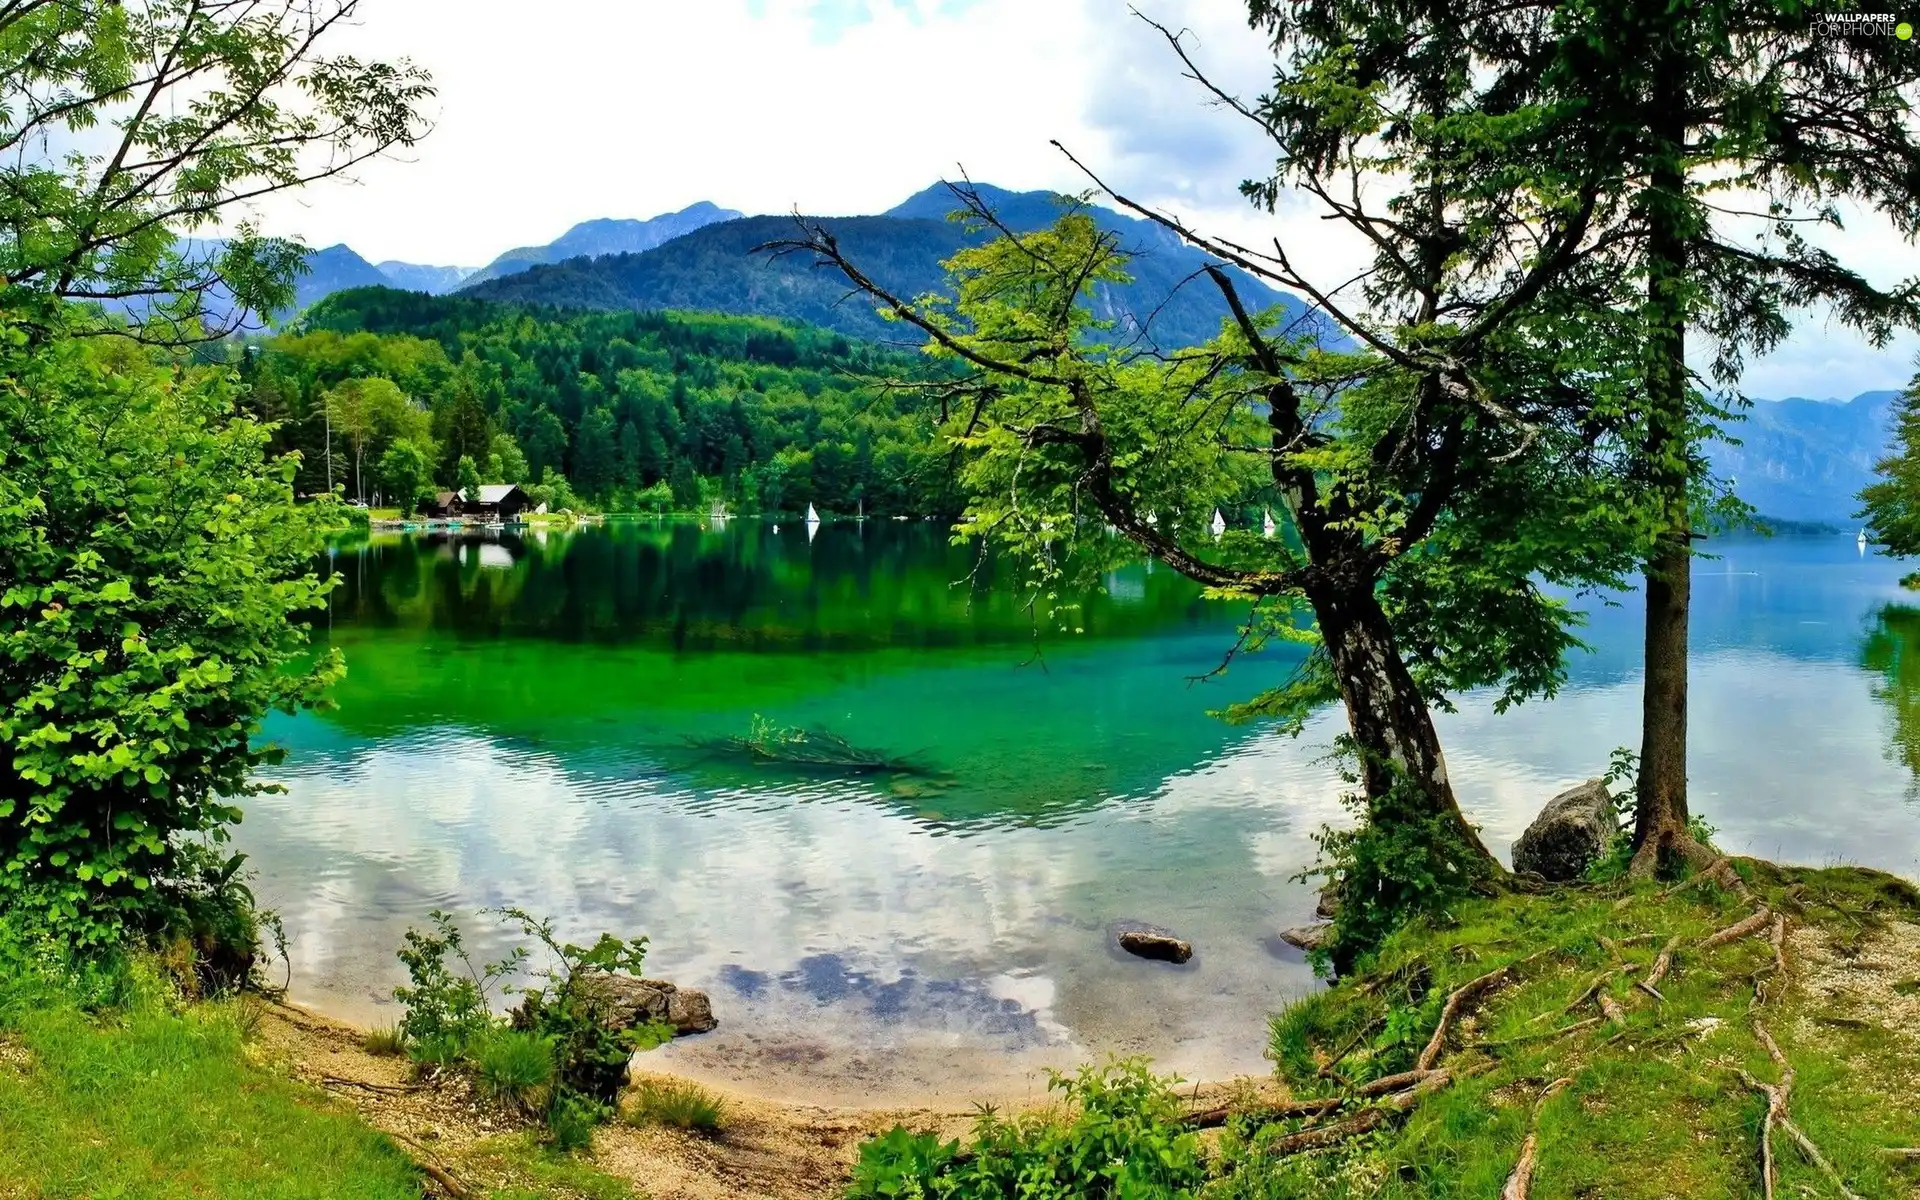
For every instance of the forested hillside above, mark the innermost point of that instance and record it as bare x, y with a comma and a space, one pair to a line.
723, 268
611, 409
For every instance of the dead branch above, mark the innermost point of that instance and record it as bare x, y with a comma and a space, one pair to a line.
1456, 1003
1738, 930
1521, 1181
384, 1089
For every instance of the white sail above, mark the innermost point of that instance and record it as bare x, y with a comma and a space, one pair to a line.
1266, 526
813, 518
1219, 525
813, 529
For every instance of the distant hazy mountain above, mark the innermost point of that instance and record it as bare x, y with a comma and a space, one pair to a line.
716, 268
413, 277
590, 239
335, 269
1806, 460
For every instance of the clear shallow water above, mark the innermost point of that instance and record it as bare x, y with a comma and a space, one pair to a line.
515, 725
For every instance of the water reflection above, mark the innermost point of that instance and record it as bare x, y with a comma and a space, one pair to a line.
503, 736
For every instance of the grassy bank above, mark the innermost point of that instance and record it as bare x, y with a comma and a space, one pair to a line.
143, 1094
1580, 1043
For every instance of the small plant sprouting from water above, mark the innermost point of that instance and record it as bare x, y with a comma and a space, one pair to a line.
768, 743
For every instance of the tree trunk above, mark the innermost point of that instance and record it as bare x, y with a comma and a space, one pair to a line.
1660, 812
1386, 714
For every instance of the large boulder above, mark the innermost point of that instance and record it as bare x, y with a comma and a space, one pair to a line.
1569, 834
627, 1001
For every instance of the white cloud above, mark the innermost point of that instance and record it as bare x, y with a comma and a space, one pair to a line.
629, 108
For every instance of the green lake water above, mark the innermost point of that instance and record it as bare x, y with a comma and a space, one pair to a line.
520, 719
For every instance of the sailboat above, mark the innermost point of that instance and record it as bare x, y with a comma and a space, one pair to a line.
1219, 525
813, 518
1266, 526
1863, 541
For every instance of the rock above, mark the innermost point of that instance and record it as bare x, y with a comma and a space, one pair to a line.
689, 1011
1158, 946
629, 1001
1570, 832
1306, 937
1328, 906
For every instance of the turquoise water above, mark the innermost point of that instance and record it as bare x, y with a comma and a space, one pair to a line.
519, 727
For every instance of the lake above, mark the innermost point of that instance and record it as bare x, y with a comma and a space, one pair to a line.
528, 720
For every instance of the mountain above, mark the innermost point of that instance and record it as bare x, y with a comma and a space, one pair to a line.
591, 239
335, 269
1806, 460
719, 268
413, 277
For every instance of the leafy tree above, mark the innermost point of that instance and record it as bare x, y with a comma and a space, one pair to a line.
153, 559
594, 455
1469, 447
405, 474
512, 463
684, 486
656, 498
467, 479
546, 443
201, 106
1892, 501
1718, 132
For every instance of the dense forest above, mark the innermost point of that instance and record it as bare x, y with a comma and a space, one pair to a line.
393, 395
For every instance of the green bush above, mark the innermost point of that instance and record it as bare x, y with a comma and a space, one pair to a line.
679, 1103
151, 561
571, 1118
384, 1040
516, 1067
450, 1023
1121, 1136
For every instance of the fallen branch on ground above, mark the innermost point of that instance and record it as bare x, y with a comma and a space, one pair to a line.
1365, 1121
423, 1159
1519, 1183
384, 1089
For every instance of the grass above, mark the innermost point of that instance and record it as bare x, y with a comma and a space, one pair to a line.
515, 1067
384, 1040
676, 1102
161, 1104
1652, 1109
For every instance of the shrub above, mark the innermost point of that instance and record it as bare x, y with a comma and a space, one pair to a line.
447, 1000
153, 559
1121, 1136
571, 1118
516, 1067
679, 1103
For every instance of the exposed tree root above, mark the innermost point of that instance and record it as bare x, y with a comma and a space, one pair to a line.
454, 1189
1611, 1007
1779, 1099
1901, 1151
1463, 995
1546, 1035
1521, 1181
1214, 1118
1737, 930
1320, 1137
1662, 963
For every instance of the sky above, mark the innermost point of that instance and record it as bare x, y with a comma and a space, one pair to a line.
631, 108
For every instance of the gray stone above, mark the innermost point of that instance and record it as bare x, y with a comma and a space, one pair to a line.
1306, 937
1328, 906
1570, 832
628, 1001
1157, 946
